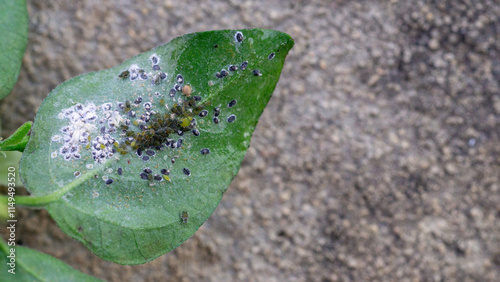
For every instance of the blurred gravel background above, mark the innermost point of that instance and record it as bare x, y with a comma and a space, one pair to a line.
378, 157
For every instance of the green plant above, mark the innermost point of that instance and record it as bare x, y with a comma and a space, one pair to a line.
132, 160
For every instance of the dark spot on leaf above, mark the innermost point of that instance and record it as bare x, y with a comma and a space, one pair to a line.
205, 151
109, 181
231, 118
186, 171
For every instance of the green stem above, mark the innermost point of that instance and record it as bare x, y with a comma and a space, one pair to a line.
40, 201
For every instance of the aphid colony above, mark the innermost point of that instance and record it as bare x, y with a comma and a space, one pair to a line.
136, 125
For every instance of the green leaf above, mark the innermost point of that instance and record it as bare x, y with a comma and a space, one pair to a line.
31, 265
18, 140
13, 39
134, 220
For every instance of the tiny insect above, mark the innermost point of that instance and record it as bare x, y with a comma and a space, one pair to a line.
216, 120
164, 171
233, 68
144, 76
224, 73
205, 151
184, 216
217, 111
124, 74
119, 171
186, 171
180, 79
177, 87
158, 177
271, 56
244, 65
231, 118
156, 67
138, 100
238, 37
195, 132
143, 175
172, 92
256, 72
186, 90
163, 75
231, 104
154, 60
109, 181
203, 113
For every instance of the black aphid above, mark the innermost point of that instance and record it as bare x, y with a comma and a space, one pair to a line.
219, 75
180, 132
244, 65
231, 104
231, 118
224, 73
271, 56
158, 177
217, 111
238, 37
131, 114
216, 120
163, 75
203, 113
154, 60
147, 170
147, 106
256, 72
144, 175
145, 158
195, 132
139, 152
164, 171
197, 98
144, 76
124, 74
156, 67
177, 87
150, 153
134, 76
138, 100
109, 181
179, 143
172, 92
205, 151
119, 171
172, 160
180, 79
233, 68
186, 171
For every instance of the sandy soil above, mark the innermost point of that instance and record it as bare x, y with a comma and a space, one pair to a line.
378, 157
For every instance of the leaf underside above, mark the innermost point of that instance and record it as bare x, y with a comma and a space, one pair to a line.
105, 146
13, 39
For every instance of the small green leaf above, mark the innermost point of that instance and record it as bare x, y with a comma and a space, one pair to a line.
18, 140
13, 39
25, 264
133, 172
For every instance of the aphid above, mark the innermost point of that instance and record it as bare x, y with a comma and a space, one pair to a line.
244, 65
147, 170
195, 132
203, 113
158, 177
77, 174
155, 80
144, 76
177, 87
238, 37
132, 114
144, 175
233, 68
156, 67
134, 76
150, 177
163, 75
256, 72
154, 59
138, 100
106, 107
197, 98
145, 158
205, 151
172, 160
231, 104
172, 92
216, 120
224, 73
124, 74
150, 152
76, 156
119, 171
139, 152
186, 90
109, 181
180, 132
157, 93
217, 111
231, 118
184, 216
271, 56
179, 143
219, 75
164, 171
180, 79
186, 171
147, 106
